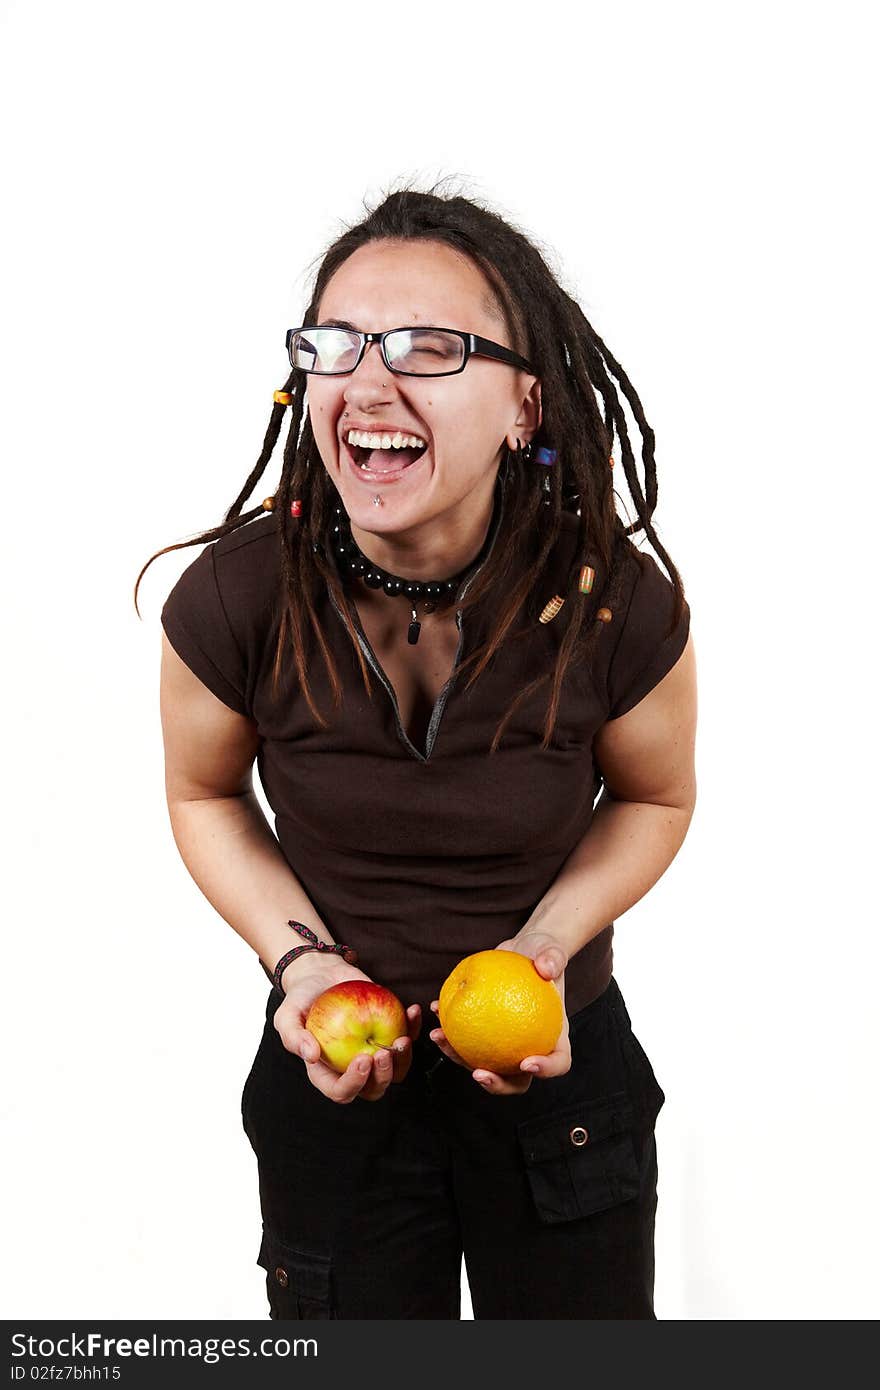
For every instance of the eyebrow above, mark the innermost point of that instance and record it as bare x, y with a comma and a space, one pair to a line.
344, 323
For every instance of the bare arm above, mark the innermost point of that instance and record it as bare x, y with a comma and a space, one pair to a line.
230, 851
641, 820
647, 762
219, 828
232, 855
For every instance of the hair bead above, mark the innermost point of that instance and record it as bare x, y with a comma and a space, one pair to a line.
587, 367
549, 611
585, 582
545, 456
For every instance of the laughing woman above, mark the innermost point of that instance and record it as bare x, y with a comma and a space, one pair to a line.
471, 700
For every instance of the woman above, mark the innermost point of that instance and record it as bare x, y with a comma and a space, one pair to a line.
438, 643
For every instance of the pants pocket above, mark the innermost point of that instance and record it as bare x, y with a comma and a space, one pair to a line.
297, 1281
581, 1158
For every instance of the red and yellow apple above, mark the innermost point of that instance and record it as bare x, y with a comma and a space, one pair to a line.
355, 1016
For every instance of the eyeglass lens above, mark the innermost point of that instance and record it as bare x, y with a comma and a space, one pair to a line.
420, 351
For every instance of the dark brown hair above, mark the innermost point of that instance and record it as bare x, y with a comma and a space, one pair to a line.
582, 416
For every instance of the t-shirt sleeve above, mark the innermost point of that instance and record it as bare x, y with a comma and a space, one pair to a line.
198, 628
646, 651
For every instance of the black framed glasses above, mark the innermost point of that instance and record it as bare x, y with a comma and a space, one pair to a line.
329, 350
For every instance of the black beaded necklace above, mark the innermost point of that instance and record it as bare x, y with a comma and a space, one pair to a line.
352, 561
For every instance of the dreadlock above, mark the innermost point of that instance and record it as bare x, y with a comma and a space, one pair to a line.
576, 371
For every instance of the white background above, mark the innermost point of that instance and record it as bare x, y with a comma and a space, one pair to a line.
701, 178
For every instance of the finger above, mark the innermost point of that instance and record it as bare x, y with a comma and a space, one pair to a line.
339, 1087
348, 1086
550, 962
439, 1037
383, 1069
555, 1063
401, 1052
290, 1027
414, 1020
308, 1046
502, 1085
389, 1064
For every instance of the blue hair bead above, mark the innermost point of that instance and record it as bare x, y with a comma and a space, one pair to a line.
546, 456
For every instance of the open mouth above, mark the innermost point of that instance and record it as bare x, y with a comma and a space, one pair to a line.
378, 465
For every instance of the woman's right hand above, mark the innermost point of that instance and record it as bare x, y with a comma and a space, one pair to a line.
365, 1077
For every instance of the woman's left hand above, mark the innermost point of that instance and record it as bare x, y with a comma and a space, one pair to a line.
550, 961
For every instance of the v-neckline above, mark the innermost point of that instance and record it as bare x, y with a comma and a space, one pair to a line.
423, 755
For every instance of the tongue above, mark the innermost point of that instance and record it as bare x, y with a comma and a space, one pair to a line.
388, 460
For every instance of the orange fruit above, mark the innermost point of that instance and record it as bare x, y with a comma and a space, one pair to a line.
496, 1010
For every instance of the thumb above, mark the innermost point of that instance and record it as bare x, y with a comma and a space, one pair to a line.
550, 962
308, 1047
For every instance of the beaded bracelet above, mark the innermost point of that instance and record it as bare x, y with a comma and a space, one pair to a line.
313, 944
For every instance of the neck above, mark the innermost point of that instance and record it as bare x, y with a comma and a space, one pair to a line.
434, 550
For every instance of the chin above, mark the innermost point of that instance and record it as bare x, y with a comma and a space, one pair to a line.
401, 494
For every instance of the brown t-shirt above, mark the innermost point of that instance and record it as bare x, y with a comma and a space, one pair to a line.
417, 857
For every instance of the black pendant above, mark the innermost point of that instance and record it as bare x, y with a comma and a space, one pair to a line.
352, 562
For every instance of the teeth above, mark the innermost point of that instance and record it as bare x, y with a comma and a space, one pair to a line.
385, 441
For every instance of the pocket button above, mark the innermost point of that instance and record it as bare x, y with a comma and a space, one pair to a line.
579, 1136
281, 1276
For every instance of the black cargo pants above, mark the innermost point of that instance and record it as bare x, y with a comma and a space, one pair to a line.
550, 1196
